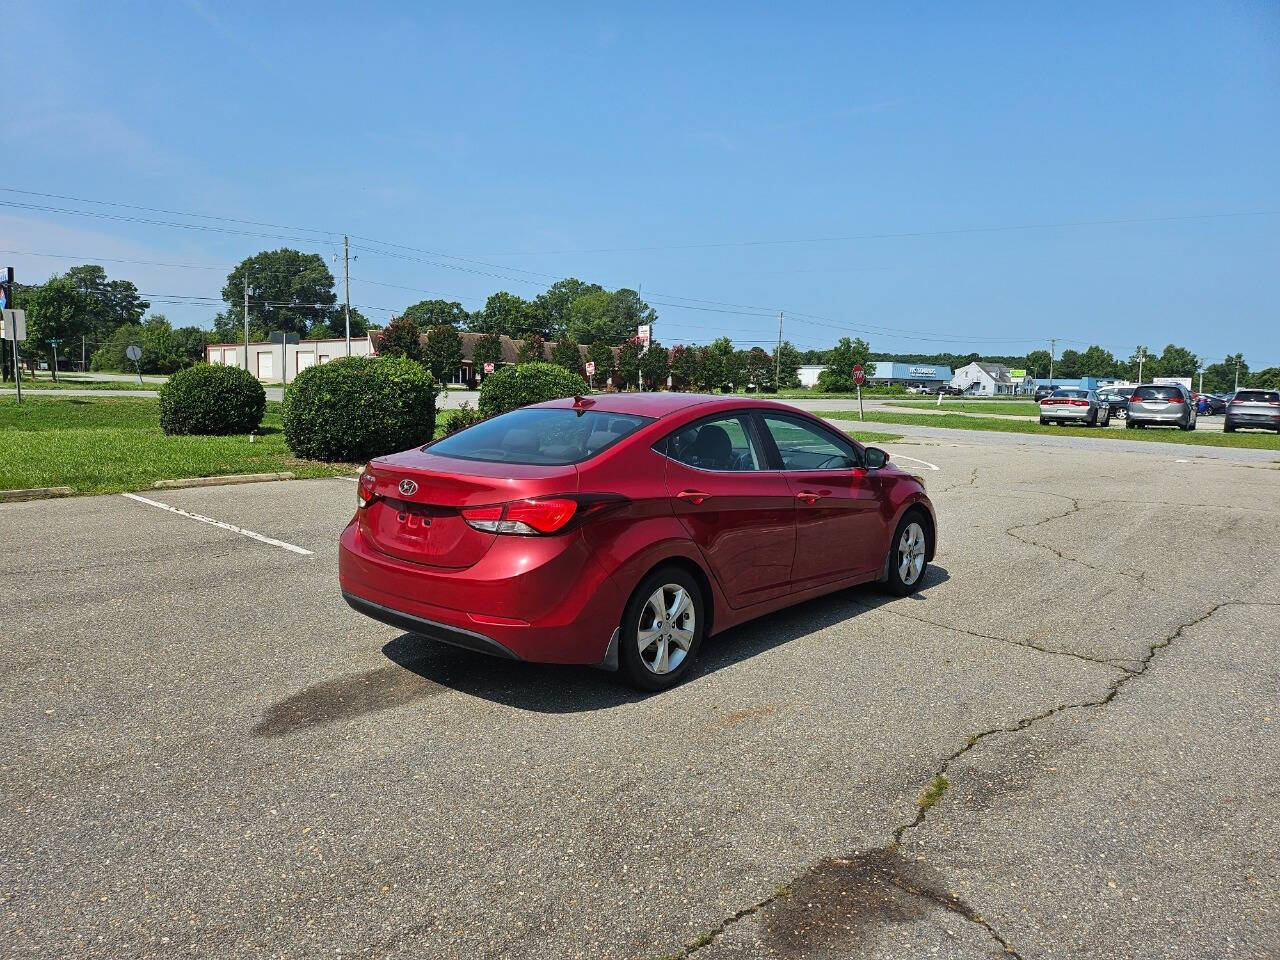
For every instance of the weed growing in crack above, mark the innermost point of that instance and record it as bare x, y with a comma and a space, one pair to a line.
932, 793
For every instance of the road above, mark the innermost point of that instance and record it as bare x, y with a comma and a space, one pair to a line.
207, 754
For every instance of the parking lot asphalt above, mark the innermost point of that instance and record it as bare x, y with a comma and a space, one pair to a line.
206, 753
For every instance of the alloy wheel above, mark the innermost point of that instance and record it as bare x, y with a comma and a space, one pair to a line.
911, 548
666, 629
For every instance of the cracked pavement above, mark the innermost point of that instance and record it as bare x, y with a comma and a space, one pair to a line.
207, 754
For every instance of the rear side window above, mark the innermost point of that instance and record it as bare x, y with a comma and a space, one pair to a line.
1157, 393
722, 443
1257, 396
540, 437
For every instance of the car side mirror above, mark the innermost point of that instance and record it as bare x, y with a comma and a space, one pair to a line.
874, 458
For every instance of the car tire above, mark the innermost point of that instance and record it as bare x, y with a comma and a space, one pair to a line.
1130, 425
906, 578
1044, 421
1228, 428
643, 667
1093, 419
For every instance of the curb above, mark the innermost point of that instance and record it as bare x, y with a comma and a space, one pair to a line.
35, 493
220, 481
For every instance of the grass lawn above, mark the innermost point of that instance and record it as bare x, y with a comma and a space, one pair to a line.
106, 445
873, 436
1213, 437
1015, 408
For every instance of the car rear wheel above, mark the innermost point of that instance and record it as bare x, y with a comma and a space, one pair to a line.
662, 629
908, 555
1044, 421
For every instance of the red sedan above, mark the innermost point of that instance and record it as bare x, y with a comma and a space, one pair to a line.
621, 530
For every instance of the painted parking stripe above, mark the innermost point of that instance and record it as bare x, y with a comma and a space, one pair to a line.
223, 526
903, 456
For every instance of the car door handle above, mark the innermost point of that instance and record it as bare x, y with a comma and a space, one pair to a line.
809, 497
693, 496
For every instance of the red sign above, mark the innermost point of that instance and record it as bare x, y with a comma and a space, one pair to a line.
859, 375
591, 368
488, 367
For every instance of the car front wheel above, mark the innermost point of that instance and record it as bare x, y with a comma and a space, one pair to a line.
662, 629
908, 555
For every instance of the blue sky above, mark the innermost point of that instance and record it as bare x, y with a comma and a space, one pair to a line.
674, 148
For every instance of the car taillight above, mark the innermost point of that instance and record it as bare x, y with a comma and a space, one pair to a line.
1079, 403
1174, 399
364, 489
527, 517
1135, 399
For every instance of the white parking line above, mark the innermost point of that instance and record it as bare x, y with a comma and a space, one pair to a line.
902, 456
352, 479
218, 523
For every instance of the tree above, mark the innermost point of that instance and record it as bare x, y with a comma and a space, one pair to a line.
443, 353
847, 354
1177, 361
189, 344
628, 364
759, 367
684, 367
1068, 366
1097, 362
601, 354
655, 365
557, 302
288, 290
437, 313
628, 312
788, 358
1037, 363
1268, 379
566, 353
402, 338
532, 349
506, 313
710, 369
590, 318
108, 303
487, 349
56, 310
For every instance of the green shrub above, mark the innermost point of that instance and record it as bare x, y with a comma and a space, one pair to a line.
357, 408
461, 418
527, 383
208, 399
835, 381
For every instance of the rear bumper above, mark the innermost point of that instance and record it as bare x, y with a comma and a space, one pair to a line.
1268, 420
1139, 415
545, 600
1065, 413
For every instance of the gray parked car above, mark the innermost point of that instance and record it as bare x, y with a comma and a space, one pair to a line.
1161, 405
1074, 405
1259, 409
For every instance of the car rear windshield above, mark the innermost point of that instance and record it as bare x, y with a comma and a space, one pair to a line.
1257, 396
542, 437
1157, 393
1076, 394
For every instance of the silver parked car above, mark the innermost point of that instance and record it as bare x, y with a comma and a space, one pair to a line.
1162, 405
1075, 405
1259, 409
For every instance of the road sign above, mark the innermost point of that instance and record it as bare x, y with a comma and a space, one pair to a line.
13, 325
859, 375
591, 368
55, 343
279, 336
643, 334
133, 352
488, 368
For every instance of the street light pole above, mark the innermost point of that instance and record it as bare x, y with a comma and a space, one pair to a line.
346, 282
246, 321
777, 357
1053, 348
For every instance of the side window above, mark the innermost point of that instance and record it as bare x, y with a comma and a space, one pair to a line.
720, 444
805, 447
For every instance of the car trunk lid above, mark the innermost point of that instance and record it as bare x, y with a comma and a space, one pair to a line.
417, 499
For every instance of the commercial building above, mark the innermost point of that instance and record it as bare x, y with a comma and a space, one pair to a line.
891, 372
282, 362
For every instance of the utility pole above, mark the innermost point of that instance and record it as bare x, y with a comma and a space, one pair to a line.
1201, 390
83, 367
640, 369
1053, 348
1237, 372
1142, 358
246, 322
777, 357
346, 283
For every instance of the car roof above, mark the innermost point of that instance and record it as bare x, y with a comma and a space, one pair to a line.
664, 404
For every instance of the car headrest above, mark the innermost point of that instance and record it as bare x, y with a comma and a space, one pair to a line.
519, 440
713, 444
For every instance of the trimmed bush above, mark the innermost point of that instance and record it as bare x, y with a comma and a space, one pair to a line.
358, 408
527, 383
461, 418
211, 399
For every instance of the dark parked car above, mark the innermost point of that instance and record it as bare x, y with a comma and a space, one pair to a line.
1210, 404
1259, 409
947, 390
620, 531
1042, 392
1117, 400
